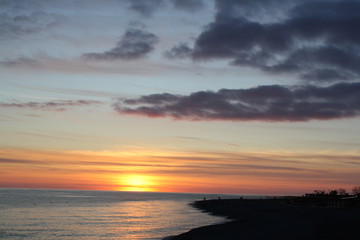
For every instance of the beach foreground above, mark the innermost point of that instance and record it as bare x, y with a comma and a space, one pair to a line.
274, 219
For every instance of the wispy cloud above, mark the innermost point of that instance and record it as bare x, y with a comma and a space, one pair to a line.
21, 62
50, 106
263, 103
45, 62
188, 162
145, 7
14, 24
181, 50
188, 5
135, 44
54, 136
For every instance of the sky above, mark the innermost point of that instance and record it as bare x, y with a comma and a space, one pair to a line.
205, 96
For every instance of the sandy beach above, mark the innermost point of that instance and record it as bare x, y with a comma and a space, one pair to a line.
274, 219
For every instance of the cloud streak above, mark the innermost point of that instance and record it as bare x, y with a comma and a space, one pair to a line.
135, 44
198, 168
57, 106
181, 163
263, 103
21, 62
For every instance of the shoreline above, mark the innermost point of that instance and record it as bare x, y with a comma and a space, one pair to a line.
269, 219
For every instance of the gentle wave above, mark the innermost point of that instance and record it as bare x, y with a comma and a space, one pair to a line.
68, 214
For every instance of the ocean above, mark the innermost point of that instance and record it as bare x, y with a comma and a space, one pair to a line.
34, 214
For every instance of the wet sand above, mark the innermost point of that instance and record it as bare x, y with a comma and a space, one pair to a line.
274, 219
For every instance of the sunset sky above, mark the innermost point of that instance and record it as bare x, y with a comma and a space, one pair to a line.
223, 96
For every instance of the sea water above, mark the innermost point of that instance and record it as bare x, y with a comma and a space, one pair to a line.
68, 214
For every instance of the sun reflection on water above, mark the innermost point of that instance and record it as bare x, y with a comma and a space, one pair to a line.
92, 215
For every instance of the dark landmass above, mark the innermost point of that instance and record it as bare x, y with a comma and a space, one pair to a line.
294, 218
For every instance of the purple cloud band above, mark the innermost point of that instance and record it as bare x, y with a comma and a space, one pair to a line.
263, 103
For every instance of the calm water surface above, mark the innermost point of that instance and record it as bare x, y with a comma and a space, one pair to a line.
65, 214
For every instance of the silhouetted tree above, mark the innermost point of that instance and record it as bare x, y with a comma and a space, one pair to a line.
342, 191
319, 192
356, 190
333, 192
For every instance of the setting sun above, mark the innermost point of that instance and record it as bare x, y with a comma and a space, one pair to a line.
136, 183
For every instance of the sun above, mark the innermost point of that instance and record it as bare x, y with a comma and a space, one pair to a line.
136, 183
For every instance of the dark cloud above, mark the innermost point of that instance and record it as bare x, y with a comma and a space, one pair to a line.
263, 103
135, 44
321, 63
330, 9
188, 5
326, 75
50, 106
256, 9
182, 50
146, 7
316, 40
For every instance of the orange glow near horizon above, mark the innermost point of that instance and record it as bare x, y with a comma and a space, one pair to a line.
161, 171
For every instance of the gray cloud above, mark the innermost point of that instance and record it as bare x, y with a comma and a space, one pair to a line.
146, 7
16, 25
50, 106
21, 62
316, 40
135, 44
188, 5
182, 50
263, 103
